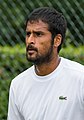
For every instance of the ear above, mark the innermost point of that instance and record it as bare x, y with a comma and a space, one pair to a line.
57, 40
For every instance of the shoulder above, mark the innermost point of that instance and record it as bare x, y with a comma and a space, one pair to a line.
73, 66
22, 78
73, 71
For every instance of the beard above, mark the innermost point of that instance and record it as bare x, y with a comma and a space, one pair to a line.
39, 58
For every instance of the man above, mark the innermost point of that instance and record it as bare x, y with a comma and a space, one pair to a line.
53, 88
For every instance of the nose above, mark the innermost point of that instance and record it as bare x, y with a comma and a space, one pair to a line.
30, 39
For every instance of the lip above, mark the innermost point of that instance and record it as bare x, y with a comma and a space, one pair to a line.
31, 51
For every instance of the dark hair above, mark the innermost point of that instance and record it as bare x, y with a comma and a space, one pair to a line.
55, 20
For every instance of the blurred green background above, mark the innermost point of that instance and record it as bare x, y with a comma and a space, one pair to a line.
13, 14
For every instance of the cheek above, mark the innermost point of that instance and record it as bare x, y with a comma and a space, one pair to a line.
44, 44
44, 47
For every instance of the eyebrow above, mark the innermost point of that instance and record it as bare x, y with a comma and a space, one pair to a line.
36, 32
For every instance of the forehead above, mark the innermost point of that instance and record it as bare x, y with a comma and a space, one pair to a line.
37, 25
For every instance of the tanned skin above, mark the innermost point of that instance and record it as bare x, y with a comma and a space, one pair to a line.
38, 36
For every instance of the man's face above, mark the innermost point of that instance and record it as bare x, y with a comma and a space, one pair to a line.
39, 49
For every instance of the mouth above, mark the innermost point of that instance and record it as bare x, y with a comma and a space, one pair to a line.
31, 51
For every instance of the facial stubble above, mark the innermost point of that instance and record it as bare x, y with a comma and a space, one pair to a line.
40, 58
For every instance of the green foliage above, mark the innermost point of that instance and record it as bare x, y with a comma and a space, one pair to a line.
13, 14
73, 53
13, 61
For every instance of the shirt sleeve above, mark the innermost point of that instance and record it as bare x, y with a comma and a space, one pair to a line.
13, 111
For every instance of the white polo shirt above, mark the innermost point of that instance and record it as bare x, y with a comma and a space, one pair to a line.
57, 96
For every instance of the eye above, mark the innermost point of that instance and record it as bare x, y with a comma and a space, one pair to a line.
28, 34
38, 34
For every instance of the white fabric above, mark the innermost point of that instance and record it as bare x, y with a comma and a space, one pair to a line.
57, 96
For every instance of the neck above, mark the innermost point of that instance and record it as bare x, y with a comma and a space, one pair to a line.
47, 68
